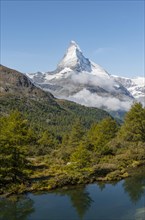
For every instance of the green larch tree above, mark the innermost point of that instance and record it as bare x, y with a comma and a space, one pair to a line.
100, 134
133, 129
15, 135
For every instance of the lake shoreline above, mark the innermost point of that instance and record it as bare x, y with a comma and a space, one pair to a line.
117, 199
41, 187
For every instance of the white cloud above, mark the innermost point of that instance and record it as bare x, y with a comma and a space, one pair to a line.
89, 99
102, 81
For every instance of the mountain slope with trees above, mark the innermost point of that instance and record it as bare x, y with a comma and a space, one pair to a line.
40, 107
47, 143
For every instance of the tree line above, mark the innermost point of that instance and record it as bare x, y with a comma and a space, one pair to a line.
78, 150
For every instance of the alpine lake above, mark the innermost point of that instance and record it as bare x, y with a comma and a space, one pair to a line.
123, 200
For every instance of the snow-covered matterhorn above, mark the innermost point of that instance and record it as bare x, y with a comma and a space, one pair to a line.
74, 59
79, 79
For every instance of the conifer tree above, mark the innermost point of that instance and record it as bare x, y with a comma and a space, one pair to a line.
101, 133
47, 142
14, 137
81, 156
76, 134
133, 129
72, 140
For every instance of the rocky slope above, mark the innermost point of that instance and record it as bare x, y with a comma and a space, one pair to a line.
136, 86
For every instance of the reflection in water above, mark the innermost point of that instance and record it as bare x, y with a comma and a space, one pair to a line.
109, 200
101, 185
80, 200
135, 186
140, 214
16, 208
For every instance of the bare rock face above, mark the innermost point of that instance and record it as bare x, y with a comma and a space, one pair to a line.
17, 84
12, 80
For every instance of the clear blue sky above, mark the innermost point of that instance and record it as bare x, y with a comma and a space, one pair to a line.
35, 34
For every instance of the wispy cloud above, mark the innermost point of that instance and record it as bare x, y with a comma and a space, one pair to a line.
102, 50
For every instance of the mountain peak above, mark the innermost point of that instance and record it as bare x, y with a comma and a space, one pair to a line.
74, 59
74, 45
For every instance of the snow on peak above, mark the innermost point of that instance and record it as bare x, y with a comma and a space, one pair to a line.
139, 81
75, 59
74, 45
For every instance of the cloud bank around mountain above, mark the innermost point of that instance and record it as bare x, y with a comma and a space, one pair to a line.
85, 97
89, 79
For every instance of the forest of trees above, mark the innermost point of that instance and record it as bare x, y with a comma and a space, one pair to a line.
105, 151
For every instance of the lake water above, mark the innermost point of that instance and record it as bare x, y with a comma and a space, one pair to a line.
124, 200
